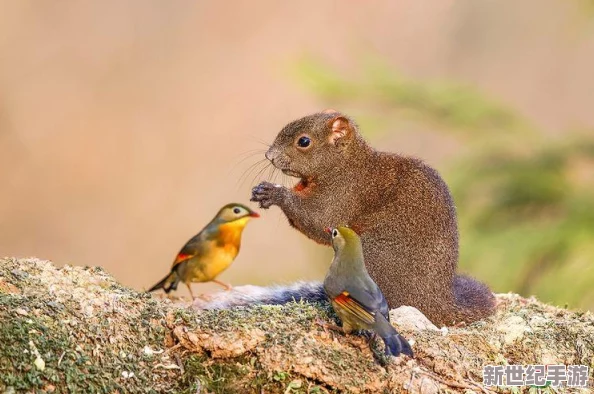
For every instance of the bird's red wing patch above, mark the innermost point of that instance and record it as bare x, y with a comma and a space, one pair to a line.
354, 307
182, 257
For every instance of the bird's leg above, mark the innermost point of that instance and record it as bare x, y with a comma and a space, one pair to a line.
329, 326
191, 292
225, 285
205, 297
351, 334
371, 338
345, 330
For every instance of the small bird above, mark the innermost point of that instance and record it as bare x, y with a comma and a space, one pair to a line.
355, 297
209, 252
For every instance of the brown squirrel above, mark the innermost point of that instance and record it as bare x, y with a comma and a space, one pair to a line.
401, 208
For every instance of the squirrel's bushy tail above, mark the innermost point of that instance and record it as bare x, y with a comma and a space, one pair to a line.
473, 299
256, 295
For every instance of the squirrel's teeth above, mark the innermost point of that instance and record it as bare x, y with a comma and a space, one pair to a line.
303, 185
291, 173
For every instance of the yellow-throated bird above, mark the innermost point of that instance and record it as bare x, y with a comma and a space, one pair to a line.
356, 298
209, 252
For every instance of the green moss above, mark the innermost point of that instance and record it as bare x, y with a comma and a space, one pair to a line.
69, 352
78, 350
295, 314
93, 351
240, 375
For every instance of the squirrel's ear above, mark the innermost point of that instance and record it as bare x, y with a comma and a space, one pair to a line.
341, 128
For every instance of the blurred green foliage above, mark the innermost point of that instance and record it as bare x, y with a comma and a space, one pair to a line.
525, 199
436, 102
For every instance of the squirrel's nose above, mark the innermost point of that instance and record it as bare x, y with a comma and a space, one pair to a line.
271, 154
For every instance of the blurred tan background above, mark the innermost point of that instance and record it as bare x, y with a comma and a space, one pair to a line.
123, 125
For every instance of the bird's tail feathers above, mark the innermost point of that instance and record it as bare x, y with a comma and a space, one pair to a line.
256, 295
395, 343
168, 283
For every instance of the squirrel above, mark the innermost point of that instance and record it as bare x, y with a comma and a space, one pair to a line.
400, 207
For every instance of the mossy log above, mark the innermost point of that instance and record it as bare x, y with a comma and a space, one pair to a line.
75, 329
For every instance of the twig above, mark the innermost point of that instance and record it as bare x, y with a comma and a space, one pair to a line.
61, 357
483, 388
173, 348
170, 366
179, 362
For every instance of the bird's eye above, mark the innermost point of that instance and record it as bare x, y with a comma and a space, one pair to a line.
236, 211
334, 233
304, 142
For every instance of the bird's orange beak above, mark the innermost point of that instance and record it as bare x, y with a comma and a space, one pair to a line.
254, 215
328, 230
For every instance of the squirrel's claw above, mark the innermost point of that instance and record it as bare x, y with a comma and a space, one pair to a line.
265, 194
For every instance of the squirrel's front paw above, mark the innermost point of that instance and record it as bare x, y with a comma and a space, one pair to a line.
267, 194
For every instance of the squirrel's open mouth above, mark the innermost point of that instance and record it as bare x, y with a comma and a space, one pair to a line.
304, 183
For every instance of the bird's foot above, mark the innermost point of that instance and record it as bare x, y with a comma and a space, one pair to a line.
329, 326
204, 297
226, 286
371, 337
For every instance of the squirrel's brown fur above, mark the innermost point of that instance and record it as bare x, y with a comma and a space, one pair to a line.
401, 208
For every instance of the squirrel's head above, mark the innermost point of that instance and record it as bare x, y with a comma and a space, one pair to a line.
312, 145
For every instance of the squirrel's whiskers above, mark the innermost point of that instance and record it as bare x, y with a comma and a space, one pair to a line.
259, 141
259, 173
247, 173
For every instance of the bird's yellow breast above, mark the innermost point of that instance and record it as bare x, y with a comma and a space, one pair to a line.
216, 261
230, 233
221, 251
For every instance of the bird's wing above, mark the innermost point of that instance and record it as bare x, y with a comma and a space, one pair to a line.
191, 249
372, 301
181, 257
195, 246
351, 304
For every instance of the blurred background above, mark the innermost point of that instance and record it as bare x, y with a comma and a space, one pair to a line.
124, 126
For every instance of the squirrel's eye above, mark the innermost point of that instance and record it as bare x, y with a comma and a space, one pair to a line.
236, 211
303, 142
334, 234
